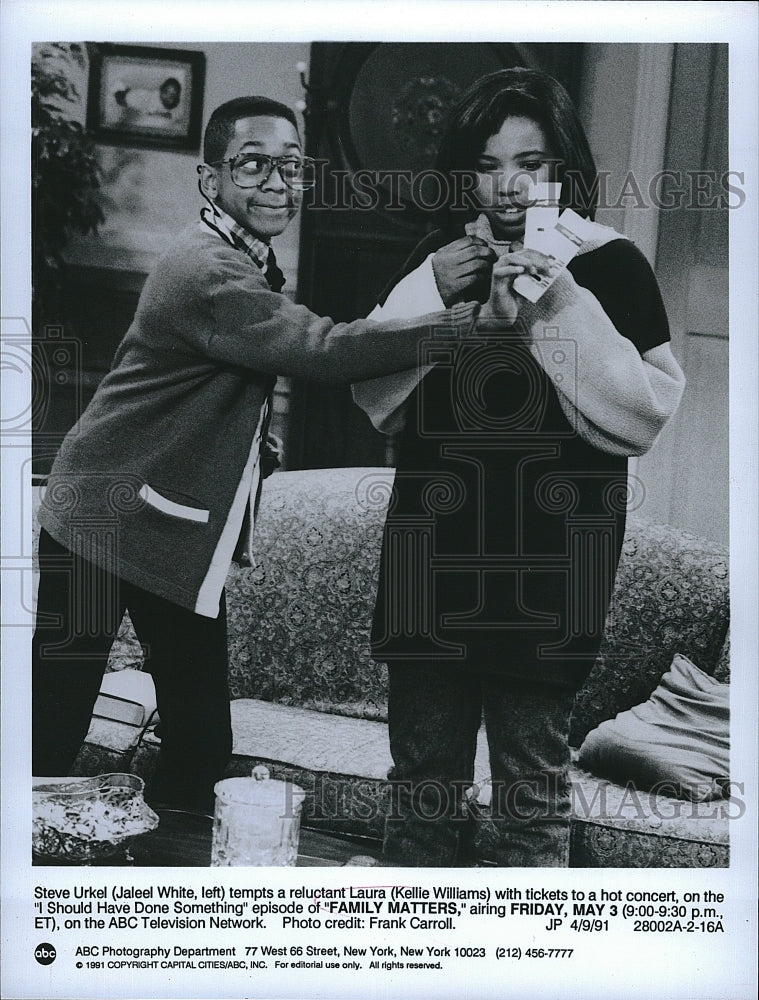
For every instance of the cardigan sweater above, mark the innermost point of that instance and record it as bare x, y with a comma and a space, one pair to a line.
152, 482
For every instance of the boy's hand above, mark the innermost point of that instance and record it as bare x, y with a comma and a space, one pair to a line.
459, 265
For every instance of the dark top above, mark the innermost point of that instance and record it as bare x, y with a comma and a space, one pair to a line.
505, 527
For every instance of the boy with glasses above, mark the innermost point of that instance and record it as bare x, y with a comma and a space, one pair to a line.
153, 491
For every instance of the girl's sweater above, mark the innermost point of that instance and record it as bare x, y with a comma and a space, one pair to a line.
616, 397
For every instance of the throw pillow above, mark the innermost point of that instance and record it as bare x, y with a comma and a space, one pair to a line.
677, 742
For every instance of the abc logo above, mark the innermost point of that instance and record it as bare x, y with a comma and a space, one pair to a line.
45, 954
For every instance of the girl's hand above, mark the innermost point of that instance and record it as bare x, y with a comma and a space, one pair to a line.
459, 265
504, 303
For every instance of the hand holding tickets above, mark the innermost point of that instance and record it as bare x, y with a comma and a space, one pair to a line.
524, 264
559, 245
460, 264
550, 242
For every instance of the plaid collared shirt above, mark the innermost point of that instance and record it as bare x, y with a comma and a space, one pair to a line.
256, 249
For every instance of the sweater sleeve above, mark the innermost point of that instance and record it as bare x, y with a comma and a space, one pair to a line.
617, 389
256, 328
384, 399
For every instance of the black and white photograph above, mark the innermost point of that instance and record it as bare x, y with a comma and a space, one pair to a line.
143, 96
379, 492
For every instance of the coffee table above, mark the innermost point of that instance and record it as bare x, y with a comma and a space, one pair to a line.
183, 839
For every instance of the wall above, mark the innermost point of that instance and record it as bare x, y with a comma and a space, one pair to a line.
687, 474
624, 105
647, 107
148, 195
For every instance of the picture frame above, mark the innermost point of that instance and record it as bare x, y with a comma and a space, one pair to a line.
140, 95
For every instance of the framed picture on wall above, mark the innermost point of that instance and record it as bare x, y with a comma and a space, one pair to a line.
144, 96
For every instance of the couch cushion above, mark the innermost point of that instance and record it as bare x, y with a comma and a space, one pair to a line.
310, 740
679, 737
616, 826
621, 827
299, 620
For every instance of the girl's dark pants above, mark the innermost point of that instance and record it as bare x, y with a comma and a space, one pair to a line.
434, 713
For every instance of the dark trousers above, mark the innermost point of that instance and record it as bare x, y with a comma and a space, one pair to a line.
79, 611
434, 713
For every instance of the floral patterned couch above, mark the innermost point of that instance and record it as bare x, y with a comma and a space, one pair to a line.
309, 701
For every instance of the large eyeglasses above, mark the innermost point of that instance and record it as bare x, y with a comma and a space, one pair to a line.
251, 170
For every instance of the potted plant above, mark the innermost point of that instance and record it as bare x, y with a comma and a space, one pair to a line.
65, 171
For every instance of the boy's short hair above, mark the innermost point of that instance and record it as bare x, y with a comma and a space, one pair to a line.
221, 125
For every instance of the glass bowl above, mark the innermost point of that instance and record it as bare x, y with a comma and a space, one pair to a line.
86, 820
